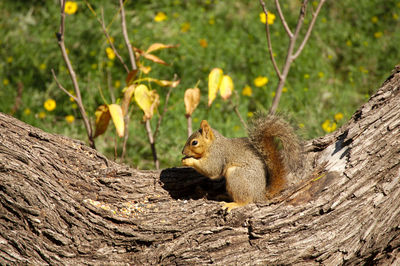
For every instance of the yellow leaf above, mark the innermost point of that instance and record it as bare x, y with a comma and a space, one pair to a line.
158, 46
155, 59
128, 92
102, 119
118, 118
191, 99
214, 81
226, 87
147, 100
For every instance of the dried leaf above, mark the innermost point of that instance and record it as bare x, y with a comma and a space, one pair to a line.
131, 76
226, 87
118, 118
147, 100
191, 99
164, 83
128, 92
102, 119
214, 81
158, 46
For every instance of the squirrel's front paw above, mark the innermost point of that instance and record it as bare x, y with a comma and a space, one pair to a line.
228, 206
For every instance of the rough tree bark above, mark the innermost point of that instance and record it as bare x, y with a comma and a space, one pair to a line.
62, 202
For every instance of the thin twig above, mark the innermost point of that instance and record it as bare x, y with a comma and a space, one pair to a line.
285, 25
310, 27
189, 125
235, 108
164, 111
60, 39
126, 38
267, 31
103, 26
61, 87
18, 98
152, 144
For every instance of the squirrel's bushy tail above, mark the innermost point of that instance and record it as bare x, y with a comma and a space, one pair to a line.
277, 142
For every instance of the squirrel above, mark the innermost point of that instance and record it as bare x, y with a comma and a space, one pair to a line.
254, 167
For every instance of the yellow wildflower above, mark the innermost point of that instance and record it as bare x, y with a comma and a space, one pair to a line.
250, 114
74, 106
284, 89
10, 59
27, 111
349, 43
328, 126
117, 84
247, 91
70, 119
160, 16
260, 81
211, 21
321, 74
110, 53
70, 7
395, 16
378, 34
301, 125
94, 66
374, 19
6, 82
338, 116
42, 66
306, 76
42, 115
185, 27
271, 18
203, 43
49, 105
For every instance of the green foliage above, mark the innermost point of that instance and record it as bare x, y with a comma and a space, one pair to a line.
352, 49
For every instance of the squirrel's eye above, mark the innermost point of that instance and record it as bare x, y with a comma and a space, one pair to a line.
194, 142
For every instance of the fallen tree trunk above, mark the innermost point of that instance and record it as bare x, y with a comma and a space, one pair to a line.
62, 202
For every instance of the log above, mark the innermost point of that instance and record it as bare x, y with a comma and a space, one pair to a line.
62, 202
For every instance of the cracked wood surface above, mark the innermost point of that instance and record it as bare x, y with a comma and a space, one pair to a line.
63, 203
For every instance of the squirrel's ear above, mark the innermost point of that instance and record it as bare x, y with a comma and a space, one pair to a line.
206, 130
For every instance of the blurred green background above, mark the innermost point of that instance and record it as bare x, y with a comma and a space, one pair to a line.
352, 49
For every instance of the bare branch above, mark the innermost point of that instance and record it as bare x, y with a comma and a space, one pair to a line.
285, 25
271, 54
126, 38
78, 98
289, 59
310, 27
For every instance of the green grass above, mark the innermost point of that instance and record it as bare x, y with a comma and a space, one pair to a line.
353, 48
